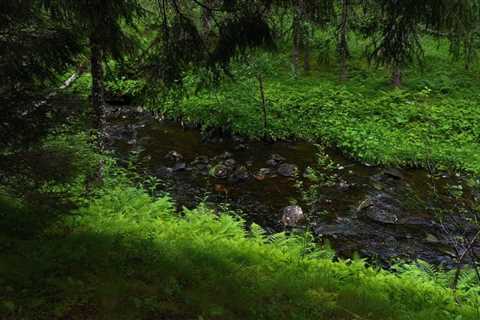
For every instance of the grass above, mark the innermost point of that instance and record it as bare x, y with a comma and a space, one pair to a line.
121, 254
431, 121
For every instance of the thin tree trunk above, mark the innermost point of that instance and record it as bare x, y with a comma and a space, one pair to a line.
306, 53
306, 59
468, 57
264, 104
461, 257
397, 76
343, 49
300, 39
296, 44
98, 94
304, 36
98, 104
207, 17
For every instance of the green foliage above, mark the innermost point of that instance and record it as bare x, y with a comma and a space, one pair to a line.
123, 254
468, 282
50, 180
434, 120
82, 86
34, 47
125, 87
128, 256
84, 162
319, 177
100, 22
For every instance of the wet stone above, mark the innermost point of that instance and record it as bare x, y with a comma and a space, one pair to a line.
271, 163
230, 162
238, 139
226, 155
219, 171
163, 172
120, 132
240, 174
174, 156
292, 216
381, 208
430, 238
394, 173
288, 170
240, 147
423, 222
201, 169
212, 136
344, 186
382, 216
277, 157
200, 160
180, 166
264, 173
345, 228
391, 242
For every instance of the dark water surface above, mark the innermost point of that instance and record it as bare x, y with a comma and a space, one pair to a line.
381, 213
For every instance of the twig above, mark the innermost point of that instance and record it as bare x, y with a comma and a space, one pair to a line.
264, 107
460, 259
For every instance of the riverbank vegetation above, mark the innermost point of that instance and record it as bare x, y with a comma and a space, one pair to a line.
84, 235
430, 122
120, 253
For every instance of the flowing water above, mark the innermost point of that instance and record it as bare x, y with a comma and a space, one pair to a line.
380, 213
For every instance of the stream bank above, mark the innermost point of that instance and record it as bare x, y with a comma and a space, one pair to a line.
383, 214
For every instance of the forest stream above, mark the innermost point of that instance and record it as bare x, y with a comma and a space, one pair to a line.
381, 213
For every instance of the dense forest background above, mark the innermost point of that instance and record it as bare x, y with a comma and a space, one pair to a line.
84, 235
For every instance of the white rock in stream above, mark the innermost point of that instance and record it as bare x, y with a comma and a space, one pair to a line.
292, 216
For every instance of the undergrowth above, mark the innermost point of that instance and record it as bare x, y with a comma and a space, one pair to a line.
432, 121
128, 256
122, 254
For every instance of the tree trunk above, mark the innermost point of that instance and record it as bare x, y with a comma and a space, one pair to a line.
98, 95
306, 59
207, 17
468, 57
296, 44
98, 101
300, 38
304, 36
343, 49
397, 76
